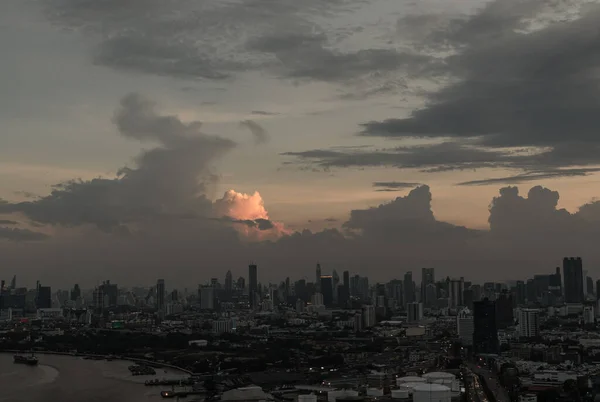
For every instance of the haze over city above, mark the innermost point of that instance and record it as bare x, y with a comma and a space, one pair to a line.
178, 140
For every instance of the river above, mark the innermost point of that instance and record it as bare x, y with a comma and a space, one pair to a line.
73, 379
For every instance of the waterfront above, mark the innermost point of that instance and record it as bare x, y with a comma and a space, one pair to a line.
73, 379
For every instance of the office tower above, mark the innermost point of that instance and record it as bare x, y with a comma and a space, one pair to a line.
318, 278
110, 292
465, 326
44, 297
414, 312
520, 293
75, 292
468, 298
588, 315
368, 315
160, 295
214, 282
504, 310
327, 290
431, 295
253, 285
589, 286
409, 289
598, 289
476, 293
427, 278
316, 299
456, 293
98, 298
241, 283
573, 279
228, 281
174, 295
13, 282
531, 291
207, 298
555, 285
485, 333
529, 323
346, 278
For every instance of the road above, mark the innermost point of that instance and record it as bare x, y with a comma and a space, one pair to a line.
491, 382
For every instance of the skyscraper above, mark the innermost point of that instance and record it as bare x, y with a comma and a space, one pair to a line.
465, 326
573, 279
427, 277
13, 282
253, 285
44, 297
228, 285
529, 323
326, 282
414, 312
318, 278
160, 295
485, 332
455, 288
75, 293
409, 288
207, 298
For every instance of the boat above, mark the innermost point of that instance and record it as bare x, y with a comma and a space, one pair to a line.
29, 360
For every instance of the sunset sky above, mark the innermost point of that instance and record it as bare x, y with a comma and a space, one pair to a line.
217, 132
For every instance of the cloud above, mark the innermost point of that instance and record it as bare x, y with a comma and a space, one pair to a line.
261, 136
8, 222
531, 176
20, 235
545, 98
393, 185
250, 211
171, 178
264, 113
204, 39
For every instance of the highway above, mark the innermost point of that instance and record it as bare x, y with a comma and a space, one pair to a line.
491, 382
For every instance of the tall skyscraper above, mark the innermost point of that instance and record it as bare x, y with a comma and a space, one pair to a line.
75, 292
485, 332
228, 285
427, 277
207, 298
13, 282
529, 323
504, 310
465, 326
160, 295
573, 279
327, 289
455, 298
414, 312
409, 288
44, 297
318, 278
253, 285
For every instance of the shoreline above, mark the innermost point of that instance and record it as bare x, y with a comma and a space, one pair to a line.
122, 358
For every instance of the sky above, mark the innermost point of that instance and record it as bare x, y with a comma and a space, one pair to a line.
182, 138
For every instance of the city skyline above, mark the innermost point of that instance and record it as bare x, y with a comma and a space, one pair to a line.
386, 137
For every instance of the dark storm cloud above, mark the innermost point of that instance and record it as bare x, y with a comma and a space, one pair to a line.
260, 224
206, 39
306, 56
20, 235
434, 157
515, 89
168, 179
531, 176
261, 136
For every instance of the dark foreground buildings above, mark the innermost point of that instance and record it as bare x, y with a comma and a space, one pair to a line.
485, 331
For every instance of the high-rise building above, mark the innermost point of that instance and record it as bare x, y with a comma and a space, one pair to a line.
598, 289
485, 333
589, 286
13, 282
111, 293
465, 326
44, 297
207, 298
327, 289
427, 278
409, 288
456, 287
318, 278
573, 279
555, 283
529, 323
253, 285
414, 312
228, 281
504, 310
588, 315
75, 292
368, 315
160, 295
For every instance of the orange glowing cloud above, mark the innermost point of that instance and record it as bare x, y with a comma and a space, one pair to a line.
250, 215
